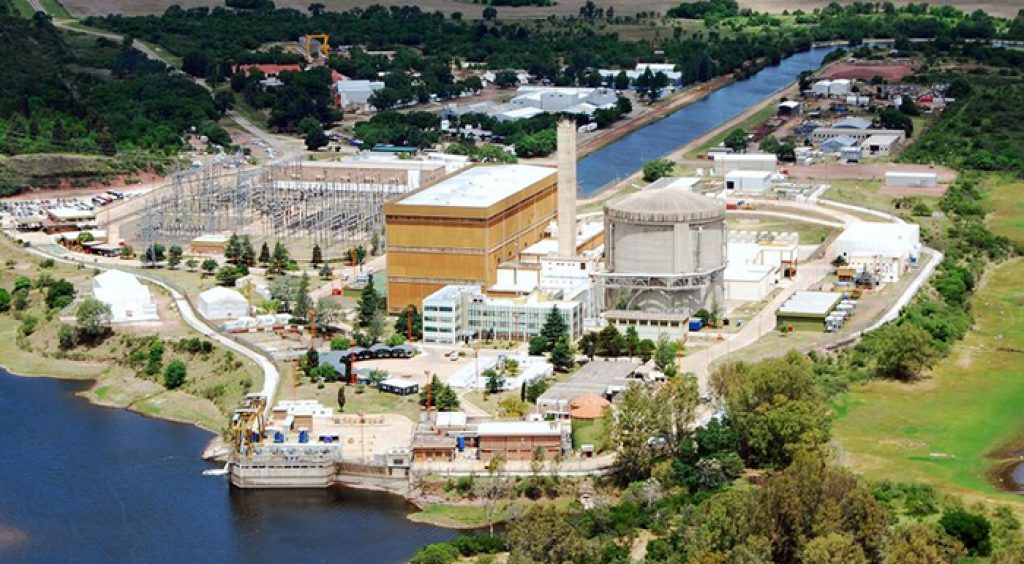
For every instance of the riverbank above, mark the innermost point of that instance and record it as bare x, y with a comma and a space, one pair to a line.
117, 367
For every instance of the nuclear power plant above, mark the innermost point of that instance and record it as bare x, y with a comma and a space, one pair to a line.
489, 252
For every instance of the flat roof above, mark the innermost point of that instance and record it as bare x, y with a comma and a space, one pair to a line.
883, 139
745, 157
479, 187
756, 174
747, 272
904, 174
401, 384
519, 428
811, 303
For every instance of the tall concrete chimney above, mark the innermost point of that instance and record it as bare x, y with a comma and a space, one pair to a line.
566, 188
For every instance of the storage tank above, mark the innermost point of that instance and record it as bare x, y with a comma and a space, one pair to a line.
665, 251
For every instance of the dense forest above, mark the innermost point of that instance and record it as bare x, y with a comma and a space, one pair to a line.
70, 93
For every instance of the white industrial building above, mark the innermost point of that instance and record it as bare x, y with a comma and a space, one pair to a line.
831, 88
128, 299
558, 99
675, 77
886, 250
352, 94
881, 144
749, 283
456, 312
822, 134
691, 183
729, 162
222, 303
749, 181
912, 179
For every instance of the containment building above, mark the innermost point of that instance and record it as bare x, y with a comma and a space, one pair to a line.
665, 252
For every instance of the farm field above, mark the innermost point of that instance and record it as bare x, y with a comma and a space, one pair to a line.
562, 7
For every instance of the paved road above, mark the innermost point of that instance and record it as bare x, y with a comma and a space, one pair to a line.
271, 376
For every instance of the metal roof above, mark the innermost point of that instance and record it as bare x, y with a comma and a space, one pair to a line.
665, 205
479, 187
811, 303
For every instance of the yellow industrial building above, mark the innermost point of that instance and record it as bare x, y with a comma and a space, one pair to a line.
458, 230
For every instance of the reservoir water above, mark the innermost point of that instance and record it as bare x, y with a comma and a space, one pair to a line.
622, 158
80, 483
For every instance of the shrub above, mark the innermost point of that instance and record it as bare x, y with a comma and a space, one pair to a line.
970, 529
175, 374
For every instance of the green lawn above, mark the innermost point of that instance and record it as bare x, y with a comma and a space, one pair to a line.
23, 8
55, 9
1007, 208
588, 432
949, 429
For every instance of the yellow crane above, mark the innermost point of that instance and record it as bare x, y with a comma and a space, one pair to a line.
323, 38
248, 423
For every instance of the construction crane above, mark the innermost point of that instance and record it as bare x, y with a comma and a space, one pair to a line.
248, 423
325, 47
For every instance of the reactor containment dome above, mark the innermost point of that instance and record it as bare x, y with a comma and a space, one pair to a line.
665, 252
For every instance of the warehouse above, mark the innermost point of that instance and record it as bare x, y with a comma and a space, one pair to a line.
729, 162
807, 311
822, 134
128, 299
520, 440
881, 144
749, 181
912, 179
886, 250
460, 229
221, 303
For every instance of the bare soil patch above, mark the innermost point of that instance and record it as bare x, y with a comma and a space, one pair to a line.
864, 171
936, 192
867, 71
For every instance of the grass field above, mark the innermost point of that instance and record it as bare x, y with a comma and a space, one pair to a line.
810, 233
751, 122
1007, 208
588, 432
948, 429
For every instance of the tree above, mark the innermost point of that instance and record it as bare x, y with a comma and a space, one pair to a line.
264, 253
505, 78
92, 321
972, 530
554, 328
562, 354
59, 293
318, 256
610, 342
65, 336
324, 372
228, 275
5, 300
636, 429
833, 548
632, 341
402, 323
535, 389
545, 534
901, 352
301, 300
494, 381
279, 259
174, 257
776, 408
175, 374
209, 265
328, 312
918, 543
665, 355
737, 140
645, 350
341, 398
370, 302
316, 9
375, 330
314, 137
326, 272
892, 118
538, 345
441, 396
155, 358
588, 344
490, 14
233, 249
437, 553
621, 81
339, 343
248, 256
153, 254
658, 168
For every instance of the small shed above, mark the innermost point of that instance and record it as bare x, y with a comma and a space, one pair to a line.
750, 181
807, 311
399, 387
790, 108
912, 179
222, 303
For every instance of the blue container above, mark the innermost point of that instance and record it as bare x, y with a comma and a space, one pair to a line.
461, 443
303, 436
696, 324
255, 437
278, 437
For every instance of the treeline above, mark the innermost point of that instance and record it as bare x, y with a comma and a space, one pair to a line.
980, 131
90, 95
